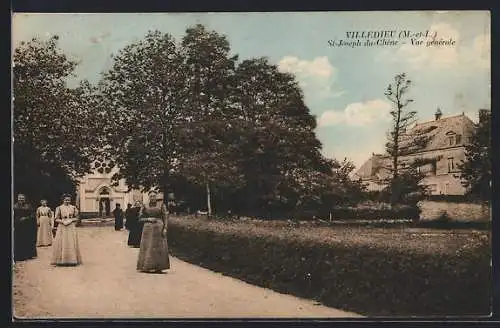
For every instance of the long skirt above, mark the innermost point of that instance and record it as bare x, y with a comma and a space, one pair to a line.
118, 223
134, 235
153, 255
66, 250
44, 236
25, 239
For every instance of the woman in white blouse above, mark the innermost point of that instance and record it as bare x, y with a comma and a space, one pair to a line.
44, 217
66, 250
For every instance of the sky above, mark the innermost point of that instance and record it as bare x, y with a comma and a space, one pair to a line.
343, 84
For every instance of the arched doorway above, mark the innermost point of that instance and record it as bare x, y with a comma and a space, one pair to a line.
104, 203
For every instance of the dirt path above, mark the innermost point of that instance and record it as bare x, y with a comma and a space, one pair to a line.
108, 286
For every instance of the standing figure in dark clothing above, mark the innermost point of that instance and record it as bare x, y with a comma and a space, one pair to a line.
134, 226
118, 214
127, 214
25, 230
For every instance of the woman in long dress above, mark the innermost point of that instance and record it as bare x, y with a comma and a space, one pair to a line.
24, 230
118, 214
153, 254
44, 216
133, 225
66, 250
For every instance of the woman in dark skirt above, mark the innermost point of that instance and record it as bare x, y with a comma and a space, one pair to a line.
133, 225
25, 230
118, 214
153, 255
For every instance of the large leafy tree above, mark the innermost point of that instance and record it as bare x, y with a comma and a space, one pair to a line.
146, 91
278, 130
207, 159
476, 169
54, 131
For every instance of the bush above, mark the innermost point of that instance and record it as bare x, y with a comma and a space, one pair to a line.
446, 222
372, 211
386, 278
380, 211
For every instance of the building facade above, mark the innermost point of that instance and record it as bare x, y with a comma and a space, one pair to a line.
97, 195
445, 151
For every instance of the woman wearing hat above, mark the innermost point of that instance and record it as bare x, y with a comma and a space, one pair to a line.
153, 253
66, 250
44, 216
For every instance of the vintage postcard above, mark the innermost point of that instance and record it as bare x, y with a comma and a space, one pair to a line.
251, 165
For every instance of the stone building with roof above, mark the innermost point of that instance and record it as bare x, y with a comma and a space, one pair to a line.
97, 195
445, 150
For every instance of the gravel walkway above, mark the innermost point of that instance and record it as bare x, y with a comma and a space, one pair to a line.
108, 286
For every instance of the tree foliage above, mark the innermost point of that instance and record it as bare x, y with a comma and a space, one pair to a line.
475, 171
279, 136
190, 111
55, 131
146, 91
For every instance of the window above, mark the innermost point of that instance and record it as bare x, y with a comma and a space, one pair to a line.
446, 188
103, 166
434, 168
458, 139
451, 165
451, 137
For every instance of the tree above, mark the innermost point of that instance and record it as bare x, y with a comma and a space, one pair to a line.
317, 191
145, 92
278, 131
207, 152
211, 159
54, 127
402, 140
475, 171
353, 190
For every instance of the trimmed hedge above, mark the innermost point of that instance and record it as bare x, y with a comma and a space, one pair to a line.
370, 276
368, 211
376, 213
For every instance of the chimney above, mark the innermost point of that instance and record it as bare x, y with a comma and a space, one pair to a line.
438, 114
483, 115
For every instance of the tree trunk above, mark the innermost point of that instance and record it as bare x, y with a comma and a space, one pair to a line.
296, 211
209, 202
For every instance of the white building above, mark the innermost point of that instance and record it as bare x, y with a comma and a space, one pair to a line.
97, 196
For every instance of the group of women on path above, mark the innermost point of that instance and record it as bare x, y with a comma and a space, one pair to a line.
42, 228
147, 225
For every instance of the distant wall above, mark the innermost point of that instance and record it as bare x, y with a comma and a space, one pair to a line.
89, 215
457, 211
